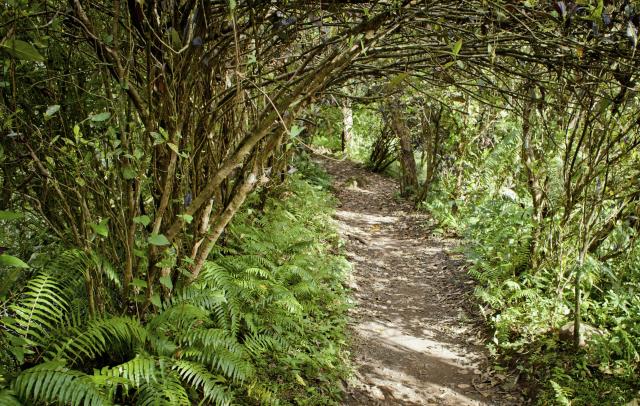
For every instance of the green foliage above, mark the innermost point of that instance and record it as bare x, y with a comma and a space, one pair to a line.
41, 309
262, 324
525, 263
312, 173
290, 300
53, 382
328, 128
367, 125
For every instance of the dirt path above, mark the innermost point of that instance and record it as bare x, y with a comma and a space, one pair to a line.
412, 342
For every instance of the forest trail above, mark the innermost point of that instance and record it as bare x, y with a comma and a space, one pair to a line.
412, 343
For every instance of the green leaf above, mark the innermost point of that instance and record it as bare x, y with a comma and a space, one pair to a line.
173, 147
101, 228
101, 116
10, 215
51, 110
176, 41
397, 81
164, 134
455, 50
158, 239
155, 300
299, 379
144, 220
22, 50
128, 173
139, 283
19, 353
186, 218
596, 14
295, 131
9, 260
157, 138
166, 282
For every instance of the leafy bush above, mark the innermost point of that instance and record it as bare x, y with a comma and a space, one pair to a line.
262, 324
528, 307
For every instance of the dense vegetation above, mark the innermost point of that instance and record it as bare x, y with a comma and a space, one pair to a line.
263, 322
157, 247
548, 209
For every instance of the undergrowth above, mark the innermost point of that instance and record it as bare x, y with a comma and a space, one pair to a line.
528, 308
262, 324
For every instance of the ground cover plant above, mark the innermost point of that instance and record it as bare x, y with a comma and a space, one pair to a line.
263, 323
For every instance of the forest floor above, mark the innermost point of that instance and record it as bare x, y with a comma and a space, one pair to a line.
413, 341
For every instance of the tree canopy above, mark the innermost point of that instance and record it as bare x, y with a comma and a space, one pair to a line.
133, 131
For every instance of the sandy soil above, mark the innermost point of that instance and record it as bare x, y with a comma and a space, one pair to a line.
413, 343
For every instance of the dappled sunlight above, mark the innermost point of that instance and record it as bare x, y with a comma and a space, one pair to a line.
365, 218
387, 333
408, 367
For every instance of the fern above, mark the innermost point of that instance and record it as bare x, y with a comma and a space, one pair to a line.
211, 386
261, 343
153, 379
97, 337
54, 382
169, 391
233, 365
136, 372
268, 303
40, 310
197, 295
8, 398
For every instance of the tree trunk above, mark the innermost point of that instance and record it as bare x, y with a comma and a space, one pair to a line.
432, 143
536, 187
347, 127
409, 179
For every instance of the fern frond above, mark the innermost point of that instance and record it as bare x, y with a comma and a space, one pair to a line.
212, 338
168, 391
299, 246
178, 317
8, 398
54, 382
97, 337
259, 273
215, 275
202, 297
196, 375
529, 294
290, 304
262, 343
136, 372
103, 267
231, 364
488, 297
41, 309
258, 261
262, 394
